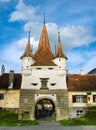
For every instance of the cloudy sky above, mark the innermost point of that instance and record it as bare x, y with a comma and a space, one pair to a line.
76, 20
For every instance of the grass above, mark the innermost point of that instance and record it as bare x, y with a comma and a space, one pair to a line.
11, 119
82, 121
88, 119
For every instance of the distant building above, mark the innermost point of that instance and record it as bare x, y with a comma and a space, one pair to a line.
92, 71
45, 88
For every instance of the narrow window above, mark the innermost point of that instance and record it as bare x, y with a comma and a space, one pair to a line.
44, 83
38, 68
94, 98
50, 68
34, 84
59, 59
1, 96
53, 84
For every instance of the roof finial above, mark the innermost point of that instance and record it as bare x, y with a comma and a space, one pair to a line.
44, 17
58, 35
55, 47
29, 34
32, 48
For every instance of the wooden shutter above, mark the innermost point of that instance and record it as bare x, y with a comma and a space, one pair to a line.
85, 98
94, 96
73, 98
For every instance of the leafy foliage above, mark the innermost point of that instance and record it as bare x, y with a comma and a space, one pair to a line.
77, 122
91, 113
11, 119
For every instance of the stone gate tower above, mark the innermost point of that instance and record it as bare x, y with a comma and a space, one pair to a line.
43, 80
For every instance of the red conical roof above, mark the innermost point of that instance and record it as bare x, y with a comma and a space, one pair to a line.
60, 52
28, 51
44, 55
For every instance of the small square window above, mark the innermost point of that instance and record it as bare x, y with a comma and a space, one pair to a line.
79, 112
1, 96
44, 83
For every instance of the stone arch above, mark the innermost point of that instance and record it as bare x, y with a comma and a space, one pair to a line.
43, 112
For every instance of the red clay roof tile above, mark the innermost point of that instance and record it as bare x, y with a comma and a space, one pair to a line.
77, 82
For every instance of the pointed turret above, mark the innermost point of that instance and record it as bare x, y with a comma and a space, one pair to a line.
27, 59
28, 51
60, 58
44, 40
44, 55
59, 52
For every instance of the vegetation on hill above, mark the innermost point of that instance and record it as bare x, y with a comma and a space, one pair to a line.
11, 119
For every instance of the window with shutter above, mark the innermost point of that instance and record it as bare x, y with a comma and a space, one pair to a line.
85, 98
94, 98
79, 98
74, 98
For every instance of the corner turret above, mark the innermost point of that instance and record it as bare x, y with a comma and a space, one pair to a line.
60, 58
27, 59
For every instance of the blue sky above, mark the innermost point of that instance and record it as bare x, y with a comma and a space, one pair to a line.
76, 20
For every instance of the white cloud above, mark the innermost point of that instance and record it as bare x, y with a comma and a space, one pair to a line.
12, 52
4, 0
76, 36
36, 29
75, 59
22, 43
71, 36
81, 60
24, 12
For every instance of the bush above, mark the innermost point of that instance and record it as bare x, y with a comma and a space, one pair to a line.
91, 113
11, 119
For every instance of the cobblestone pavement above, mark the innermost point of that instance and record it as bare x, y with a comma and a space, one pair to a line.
49, 126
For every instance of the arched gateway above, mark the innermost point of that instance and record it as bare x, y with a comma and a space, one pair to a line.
45, 109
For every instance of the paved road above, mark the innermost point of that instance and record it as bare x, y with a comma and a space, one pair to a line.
49, 126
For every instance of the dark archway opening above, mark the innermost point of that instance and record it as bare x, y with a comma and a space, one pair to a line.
45, 110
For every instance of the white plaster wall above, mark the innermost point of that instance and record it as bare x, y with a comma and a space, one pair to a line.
57, 76
26, 65
61, 62
27, 61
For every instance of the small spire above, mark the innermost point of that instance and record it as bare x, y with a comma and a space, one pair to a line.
55, 48
29, 34
44, 17
32, 48
58, 36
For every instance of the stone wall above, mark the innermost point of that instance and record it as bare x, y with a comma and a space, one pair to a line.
28, 102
